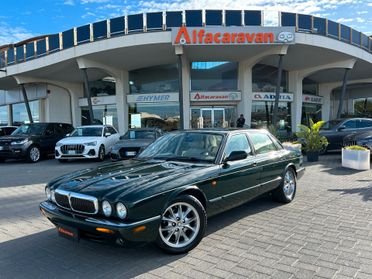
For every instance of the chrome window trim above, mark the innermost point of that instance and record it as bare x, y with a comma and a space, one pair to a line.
78, 196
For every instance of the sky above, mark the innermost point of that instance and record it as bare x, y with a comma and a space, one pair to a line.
23, 19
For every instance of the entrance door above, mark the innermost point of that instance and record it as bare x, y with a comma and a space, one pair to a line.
208, 118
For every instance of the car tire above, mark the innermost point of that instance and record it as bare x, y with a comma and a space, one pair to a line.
182, 226
101, 154
286, 192
33, 154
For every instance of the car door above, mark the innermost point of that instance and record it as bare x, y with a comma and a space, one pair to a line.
269, 158
238, 180
49, 139
113, 138
336, 139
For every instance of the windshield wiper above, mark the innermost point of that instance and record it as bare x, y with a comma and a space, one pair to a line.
190, 159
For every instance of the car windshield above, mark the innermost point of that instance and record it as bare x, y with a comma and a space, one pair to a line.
184, 146
329, 125
139, 135
87, 132
31, 129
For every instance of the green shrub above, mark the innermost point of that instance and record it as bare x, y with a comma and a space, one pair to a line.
313, 141
356, 147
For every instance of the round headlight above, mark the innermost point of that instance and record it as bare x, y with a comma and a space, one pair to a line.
48, 193
106, 208
121, 210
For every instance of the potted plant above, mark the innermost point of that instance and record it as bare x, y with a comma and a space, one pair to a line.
356, 157
312, 141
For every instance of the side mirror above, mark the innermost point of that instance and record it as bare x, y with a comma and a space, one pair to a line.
236, 155
107, 134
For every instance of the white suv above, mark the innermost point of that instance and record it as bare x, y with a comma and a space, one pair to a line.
94, 141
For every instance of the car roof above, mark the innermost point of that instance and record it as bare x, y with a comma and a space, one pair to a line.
94, 126
224, 130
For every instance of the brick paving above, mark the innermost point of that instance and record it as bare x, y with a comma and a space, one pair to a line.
326, 232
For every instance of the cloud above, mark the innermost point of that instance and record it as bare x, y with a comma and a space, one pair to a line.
343, 20
93, 1
69, 3
11, 34
362, 12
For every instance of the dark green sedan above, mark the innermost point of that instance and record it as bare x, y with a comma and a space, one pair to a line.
166, 193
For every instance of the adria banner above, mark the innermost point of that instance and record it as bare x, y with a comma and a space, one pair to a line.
270, 96
237, 35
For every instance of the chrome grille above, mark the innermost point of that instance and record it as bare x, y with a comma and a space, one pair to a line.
77, 148
76, 202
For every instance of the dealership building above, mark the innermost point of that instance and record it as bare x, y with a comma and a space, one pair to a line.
189, 69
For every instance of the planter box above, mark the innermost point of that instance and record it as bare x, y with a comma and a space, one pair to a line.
292, 146
356, 159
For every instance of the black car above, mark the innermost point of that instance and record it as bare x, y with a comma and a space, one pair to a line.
362, 139
7, 130
336, 130
31, 141
133, 141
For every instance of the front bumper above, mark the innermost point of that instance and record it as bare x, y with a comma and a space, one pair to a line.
123, 233
90, 152
300, 172
123, 154
13, 151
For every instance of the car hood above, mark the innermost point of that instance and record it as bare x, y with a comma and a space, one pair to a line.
359, 136
20, 137
116, 180
78, 140
132, 143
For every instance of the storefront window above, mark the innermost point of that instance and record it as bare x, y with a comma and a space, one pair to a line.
309, 87
158, 79
264, 78
103, 114
214, 76
20, 115
311, 111
363, 107
262, 113
3, 115
213, 117
164, 116
103, 87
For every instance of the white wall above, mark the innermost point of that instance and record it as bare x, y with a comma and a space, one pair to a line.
58, 105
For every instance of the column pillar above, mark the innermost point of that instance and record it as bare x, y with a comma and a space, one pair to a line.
295, 86
10, 115
325, 91
245, 86
122, 89
186, 92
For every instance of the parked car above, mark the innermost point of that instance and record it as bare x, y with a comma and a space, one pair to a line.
32, 141
336, 130
7, 130
362, 139
167, 192
87, 142
133, 141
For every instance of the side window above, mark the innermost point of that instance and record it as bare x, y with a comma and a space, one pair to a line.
59, 129
49, 131
365, 124
237, 143
262, 143
105, 130
111, 130
351, 124
67, 128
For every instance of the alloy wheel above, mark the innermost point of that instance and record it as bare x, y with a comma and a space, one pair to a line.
34, 154
180, 225
289, 185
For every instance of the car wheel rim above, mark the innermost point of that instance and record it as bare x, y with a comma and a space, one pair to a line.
180, 225
34, 154
289, 185
101, 154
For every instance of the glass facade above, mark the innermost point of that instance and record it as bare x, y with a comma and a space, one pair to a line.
262, 113
212, 117
264, 79
20, 115
311, 111
157, 79
3, 115
103, 114
103, 87
214, 76
363, 107
309, 87
165, 116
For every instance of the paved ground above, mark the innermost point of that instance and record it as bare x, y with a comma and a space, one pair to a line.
325, 233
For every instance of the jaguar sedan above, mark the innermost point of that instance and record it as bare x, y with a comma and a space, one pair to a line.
166, 194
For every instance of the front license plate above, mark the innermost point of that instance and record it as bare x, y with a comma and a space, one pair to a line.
1, 147
131, 153
71, 152
69, 233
